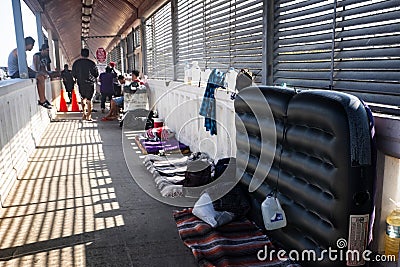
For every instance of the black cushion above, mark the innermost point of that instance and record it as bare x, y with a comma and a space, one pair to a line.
318, 186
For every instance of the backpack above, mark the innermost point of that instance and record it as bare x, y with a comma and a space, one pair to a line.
244, 79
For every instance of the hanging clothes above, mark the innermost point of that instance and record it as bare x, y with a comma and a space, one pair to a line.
208, 106
230, 79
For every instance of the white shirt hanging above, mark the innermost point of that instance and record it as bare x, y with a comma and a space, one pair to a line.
206, 74
230, 79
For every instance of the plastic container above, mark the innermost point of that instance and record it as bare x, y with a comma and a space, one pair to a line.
273, 214
392, 237
196, 74
158, 122
188, 74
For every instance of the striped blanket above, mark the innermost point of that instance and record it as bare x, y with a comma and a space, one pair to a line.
233, 244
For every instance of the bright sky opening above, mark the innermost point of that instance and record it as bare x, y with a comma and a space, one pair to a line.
8, 30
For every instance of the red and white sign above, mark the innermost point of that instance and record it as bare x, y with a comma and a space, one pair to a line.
101, 55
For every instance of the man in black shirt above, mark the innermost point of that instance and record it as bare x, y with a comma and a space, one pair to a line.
85, 72
41, 60
68, 81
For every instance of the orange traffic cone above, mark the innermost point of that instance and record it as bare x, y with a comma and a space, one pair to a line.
75, 106
63, 104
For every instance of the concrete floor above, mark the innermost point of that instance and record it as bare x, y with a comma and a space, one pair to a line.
77, 205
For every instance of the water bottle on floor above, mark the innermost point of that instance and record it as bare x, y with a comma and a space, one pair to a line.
392, 237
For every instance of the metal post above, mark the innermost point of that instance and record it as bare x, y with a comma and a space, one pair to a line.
174, 12
134, 33
144, 46
122, 48
57, 54
19, 33
39, 30
51, 49
268, 42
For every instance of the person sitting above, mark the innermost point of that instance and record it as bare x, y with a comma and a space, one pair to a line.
41, 64
118, 102
13, 72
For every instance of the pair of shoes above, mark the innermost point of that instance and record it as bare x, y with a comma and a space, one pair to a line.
94, 110
102, 110
45, 101
45, 104
106, 119
48, 103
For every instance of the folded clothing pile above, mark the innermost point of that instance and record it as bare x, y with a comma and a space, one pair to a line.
153, 147
171, 174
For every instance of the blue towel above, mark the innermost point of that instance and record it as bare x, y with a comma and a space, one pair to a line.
208, 106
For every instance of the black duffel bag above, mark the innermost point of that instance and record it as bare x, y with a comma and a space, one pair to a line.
198, 173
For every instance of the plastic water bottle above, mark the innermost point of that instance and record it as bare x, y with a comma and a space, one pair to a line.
188, 74
196, 73
392, 237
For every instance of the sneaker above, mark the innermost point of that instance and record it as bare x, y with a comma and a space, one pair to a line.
45, 105
48, 103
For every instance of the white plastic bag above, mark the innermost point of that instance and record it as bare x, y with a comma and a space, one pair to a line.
204, 210
273, 214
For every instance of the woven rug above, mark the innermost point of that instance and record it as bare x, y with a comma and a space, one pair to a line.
235, 244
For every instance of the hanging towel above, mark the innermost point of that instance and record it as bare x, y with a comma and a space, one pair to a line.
208, 106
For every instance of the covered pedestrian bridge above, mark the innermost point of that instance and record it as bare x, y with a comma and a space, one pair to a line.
67, 196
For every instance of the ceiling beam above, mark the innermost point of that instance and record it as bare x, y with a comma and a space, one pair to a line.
37, 6
128, 24
129, 4
56, 35
148, 7
34, 5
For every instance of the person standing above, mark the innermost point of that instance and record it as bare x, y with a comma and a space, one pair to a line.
13, 72
106, 87
68, 81
117, 88
85, 72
